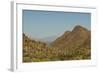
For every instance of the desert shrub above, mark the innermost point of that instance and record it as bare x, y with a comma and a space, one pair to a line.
39, 60
26, 59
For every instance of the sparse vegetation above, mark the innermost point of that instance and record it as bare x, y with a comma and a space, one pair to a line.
36, 51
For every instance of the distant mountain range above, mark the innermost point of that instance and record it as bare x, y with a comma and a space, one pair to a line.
49, 39
72, 45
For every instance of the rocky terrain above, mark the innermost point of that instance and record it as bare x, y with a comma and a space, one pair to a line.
72, 45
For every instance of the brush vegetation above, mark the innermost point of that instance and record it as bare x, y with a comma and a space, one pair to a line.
72, 45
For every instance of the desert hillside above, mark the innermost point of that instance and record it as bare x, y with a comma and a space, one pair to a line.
72, 45
78, 37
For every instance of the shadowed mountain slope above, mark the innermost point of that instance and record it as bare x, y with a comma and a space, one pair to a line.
78, 37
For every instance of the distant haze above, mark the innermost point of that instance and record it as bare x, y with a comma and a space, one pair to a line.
50, 24
49, 39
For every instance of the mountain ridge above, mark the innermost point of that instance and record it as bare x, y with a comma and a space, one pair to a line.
72, 45
75, 37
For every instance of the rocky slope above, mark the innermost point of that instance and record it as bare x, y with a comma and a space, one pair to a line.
78, 37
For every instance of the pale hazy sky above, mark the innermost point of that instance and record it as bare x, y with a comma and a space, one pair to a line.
42, 24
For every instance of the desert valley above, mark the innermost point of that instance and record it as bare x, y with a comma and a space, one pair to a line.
71, 45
